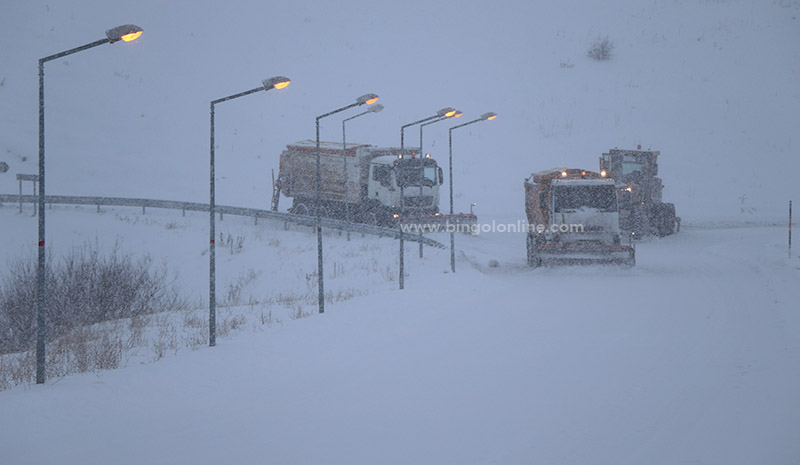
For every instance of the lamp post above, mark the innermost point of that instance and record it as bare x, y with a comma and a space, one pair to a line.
484, 117
126, 33
373, 109
457, 114
367, 99
277, 82
448, 111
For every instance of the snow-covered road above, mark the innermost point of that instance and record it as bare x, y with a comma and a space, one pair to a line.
691, 357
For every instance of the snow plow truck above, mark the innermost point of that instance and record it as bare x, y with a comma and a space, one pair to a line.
573, 218
641, 210
373, 185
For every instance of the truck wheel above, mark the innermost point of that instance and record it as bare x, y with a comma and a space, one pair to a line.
300, 209
374, 214
663, 219
670, 221
534, 260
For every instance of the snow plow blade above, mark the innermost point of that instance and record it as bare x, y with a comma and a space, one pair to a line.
582, 254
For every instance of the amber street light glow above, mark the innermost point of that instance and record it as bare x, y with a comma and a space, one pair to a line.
277, 82
131, 36
369, 99
126, 32
451, 113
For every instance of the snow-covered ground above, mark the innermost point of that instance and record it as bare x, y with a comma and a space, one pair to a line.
693, 356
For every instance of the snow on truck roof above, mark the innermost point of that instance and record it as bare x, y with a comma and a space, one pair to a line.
335, 148
324, 145
566, 174
584, 181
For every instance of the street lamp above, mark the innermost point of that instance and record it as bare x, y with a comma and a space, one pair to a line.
448, 111
367, 99
457, 114
373, 109
127, 33
484, 117
277, 82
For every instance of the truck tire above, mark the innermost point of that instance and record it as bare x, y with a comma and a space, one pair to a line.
300, 208
534, 260
375, 214
670, 220
631, 258
663, 219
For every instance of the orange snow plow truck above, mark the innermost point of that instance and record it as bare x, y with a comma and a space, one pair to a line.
573, 218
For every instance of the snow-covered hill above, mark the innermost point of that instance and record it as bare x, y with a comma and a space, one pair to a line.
712, 84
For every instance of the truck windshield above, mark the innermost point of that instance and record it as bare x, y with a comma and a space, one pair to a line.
573, 197
631, 163
410, 176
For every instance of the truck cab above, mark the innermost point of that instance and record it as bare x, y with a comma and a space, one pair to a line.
642, 210
382, 184
584, 210
573, 217
405, 185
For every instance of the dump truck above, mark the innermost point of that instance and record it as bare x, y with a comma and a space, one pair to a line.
377, 185
639, 189
573, 218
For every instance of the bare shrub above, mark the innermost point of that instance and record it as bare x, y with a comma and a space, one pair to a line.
298, 313
601, 49
233, 295
83, 288
233, 244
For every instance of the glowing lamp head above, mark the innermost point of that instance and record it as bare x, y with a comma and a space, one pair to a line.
396, 216
446, 112
428, 155
563, 174
277, 82
126, 33
489, 116
629, 189
131, 37
458, 114
369, 99
603, 173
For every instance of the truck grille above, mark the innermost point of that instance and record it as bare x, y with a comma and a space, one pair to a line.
417, 201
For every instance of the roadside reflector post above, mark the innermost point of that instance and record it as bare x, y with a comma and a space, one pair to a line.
402, 267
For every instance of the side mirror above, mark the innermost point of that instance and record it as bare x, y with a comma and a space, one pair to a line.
441, 176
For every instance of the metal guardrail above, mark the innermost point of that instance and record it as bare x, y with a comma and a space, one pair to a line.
256, 213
